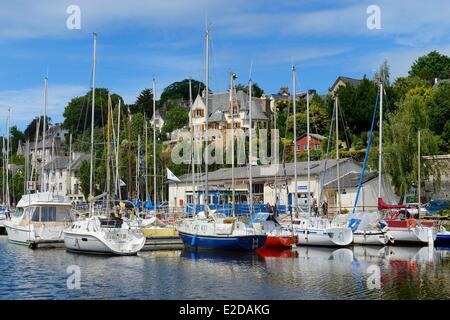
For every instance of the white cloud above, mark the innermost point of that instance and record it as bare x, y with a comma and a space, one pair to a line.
27, 103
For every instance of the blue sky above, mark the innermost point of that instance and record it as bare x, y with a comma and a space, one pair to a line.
139, 40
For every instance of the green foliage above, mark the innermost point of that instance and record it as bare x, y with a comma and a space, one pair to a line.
356, 105
439, 107
16, 137
144, 103
83, 177
77, 114
444, 143
431, 66
30, 131
256, 90
180, 90
176, 118
400, 144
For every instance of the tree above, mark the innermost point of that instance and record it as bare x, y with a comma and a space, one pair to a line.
383, 74
256, 90
77, 114
356, 105
180, 90
30, 131
176, 118
83, 177
400, 144
439, 107
144, 103
431, 66
16, 137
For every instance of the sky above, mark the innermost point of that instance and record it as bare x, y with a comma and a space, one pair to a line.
139, 40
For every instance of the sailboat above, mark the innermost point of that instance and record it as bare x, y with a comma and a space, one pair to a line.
404, 230
317, 231
149, 224
104, 231
209, 230
367, 227
39, 218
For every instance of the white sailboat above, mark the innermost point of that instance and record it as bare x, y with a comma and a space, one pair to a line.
39, 218
317, 231
102, 232
368, 229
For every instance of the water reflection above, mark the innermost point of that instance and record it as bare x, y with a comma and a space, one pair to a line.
358, 272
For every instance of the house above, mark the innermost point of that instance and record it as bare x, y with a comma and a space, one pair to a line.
343, 81
54, 145
271, 187
222, 117
284, 95
61, 176
157, 119
315, 143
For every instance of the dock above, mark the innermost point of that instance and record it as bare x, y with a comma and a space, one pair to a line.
163, 243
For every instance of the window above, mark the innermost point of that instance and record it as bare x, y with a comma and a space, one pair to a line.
258, 188
305, 147
317, 146
75, 188
35, 216
44, 212
60, 173
60, 186
235, 110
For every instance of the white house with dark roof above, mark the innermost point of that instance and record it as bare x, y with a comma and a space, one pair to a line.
221, 116
343, 81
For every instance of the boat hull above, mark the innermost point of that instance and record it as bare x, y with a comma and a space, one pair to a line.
412, 235
25, 235
333, 237
371, 238
443, 238
244, 242
280, 241
91, 244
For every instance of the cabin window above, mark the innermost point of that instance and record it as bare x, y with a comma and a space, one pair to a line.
60, 213
48, 214
35, 216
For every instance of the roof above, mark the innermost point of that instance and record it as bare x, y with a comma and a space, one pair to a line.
63, 162
220, 102
347, 80
313, 135
263, 172
217, 116
349, 180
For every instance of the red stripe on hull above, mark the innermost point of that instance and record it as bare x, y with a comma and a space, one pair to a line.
280, 242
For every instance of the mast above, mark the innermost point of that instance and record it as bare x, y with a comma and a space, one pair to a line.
108, 157
309, 152
146, 160
233, 187
117, 181
91, 170
8, 136
44, 127
294, 89
250, 151
206, 196
154, 140
69, 185
192, 150
418, 171
380, 142
129, 155
138, 164
337, 158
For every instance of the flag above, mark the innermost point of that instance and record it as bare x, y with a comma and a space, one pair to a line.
171, 176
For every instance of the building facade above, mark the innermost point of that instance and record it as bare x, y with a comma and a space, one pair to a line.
275, 187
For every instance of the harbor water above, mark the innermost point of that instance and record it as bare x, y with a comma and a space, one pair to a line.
304, 273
